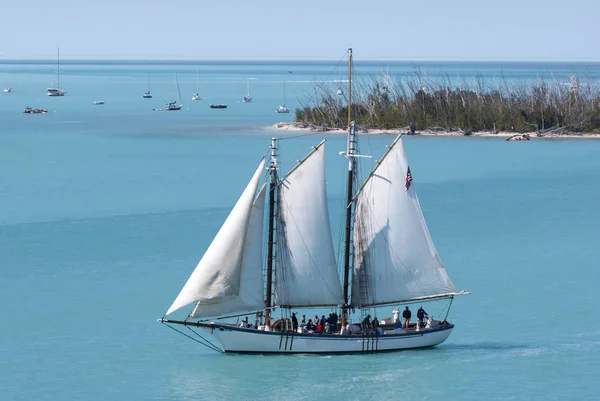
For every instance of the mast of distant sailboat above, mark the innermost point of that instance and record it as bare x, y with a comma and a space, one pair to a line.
58, 68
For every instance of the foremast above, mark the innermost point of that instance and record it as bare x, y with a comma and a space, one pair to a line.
350, 152
271, 232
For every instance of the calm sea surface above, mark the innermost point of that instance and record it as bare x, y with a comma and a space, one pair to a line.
105, 211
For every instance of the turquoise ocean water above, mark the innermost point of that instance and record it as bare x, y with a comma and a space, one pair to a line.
105, 211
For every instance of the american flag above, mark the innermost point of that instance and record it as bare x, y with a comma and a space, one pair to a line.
408, 179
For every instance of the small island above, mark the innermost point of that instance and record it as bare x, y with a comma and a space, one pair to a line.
517, 111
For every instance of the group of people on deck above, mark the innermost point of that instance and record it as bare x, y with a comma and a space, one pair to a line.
328, 325
316, 325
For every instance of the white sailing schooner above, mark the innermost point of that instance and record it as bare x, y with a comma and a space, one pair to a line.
389, 259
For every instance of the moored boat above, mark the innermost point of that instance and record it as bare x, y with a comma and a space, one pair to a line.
247, 98
53, 92
171, 106
282, 108
29, 110
196, 95
217, 106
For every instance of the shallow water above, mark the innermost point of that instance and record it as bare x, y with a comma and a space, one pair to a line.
107, 209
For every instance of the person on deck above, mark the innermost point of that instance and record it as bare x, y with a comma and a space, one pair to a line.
421, 314
333, 321
294, 322
406, 314
366, 323
375, 323
303, 320
320, 328
310, 326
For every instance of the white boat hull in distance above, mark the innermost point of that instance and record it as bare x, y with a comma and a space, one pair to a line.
282, 109
55, 92
241, 340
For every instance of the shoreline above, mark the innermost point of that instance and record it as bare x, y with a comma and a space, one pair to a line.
283, 126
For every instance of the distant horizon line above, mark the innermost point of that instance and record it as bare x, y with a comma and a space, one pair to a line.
292, 59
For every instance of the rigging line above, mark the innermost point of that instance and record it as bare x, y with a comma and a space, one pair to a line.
204, 339
281, 138
342, 59
209, 345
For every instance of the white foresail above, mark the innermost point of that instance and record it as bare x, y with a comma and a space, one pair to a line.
306, 271
394, 255
228, 277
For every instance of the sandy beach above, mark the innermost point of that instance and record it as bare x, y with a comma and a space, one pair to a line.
295, 127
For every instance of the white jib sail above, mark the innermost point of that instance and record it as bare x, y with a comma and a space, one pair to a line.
306, 271
394, 255
228, 277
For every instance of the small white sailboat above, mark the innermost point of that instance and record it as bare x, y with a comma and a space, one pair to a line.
56, 91
389, 259
247, 98
147, 94
282, 108
171, 106
7, 90
98, 102
196, 96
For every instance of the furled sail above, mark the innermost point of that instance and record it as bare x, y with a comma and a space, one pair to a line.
306, 271
394, 256
228, 278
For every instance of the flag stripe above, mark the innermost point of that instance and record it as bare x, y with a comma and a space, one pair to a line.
408, 179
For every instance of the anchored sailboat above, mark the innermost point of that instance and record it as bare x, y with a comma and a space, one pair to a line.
196, 96
147, 94
173, 105
389, 259
283, 109
247, 98
56, 91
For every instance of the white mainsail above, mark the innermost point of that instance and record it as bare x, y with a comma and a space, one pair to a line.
306, 271
394, 256
228, 278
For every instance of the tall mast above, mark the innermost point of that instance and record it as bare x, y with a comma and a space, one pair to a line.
58, 68
349, 86
272, 188
178, 92
350, 151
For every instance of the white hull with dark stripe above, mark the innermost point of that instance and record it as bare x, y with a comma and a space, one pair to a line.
237, 339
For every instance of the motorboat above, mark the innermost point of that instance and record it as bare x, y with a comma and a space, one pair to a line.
29, 110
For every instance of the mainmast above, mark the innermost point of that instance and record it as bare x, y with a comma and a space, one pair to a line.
58, 68
269, 275
350, 151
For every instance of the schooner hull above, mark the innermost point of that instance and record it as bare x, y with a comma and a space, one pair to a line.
236, 339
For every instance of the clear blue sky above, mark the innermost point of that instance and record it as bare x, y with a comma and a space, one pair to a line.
301, 29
